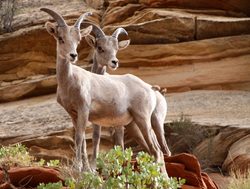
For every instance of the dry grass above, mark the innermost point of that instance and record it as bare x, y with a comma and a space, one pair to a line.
190, 133
240, 180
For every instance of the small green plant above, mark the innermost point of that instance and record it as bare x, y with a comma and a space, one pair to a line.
53, 163
15, 155
57, 185
240, 180
70, 183
18, 155
41, 162
115, 170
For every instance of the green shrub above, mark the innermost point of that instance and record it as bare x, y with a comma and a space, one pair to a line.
115, 170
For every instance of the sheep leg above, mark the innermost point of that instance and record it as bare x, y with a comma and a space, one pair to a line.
134, 132
80, 140
159, 132
96, 137
145, 127
119, 136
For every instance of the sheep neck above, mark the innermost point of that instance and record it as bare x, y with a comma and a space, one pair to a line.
97, 68
63, 71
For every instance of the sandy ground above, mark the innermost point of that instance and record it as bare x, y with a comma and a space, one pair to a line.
223, 108
42, 114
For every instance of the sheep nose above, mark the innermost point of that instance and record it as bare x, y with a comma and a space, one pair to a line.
73, 55
114, 61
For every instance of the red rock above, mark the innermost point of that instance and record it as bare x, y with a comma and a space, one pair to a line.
5, 186
186, 166
208, 181
189, 187
31, 176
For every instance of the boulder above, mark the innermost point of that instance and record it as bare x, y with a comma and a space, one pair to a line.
238, 157
187, 166
29, 177
213, 151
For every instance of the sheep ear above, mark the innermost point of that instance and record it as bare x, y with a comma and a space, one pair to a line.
86, 31
123, 44
90, 40
51, 28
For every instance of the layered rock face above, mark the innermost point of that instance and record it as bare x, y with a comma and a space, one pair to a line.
208, 37
198, 50
179, 45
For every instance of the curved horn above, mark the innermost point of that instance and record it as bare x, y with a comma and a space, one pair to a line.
58, 18
96, 29
81, 18
119, 31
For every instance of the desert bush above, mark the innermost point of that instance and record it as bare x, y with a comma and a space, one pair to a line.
190, 133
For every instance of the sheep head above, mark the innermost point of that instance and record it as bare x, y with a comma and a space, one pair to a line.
67, 37
106, 47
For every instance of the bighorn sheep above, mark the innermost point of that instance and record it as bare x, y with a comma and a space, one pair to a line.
105, 50
106, 100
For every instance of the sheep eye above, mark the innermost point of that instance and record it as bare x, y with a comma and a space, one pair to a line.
100, 49
60, 40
